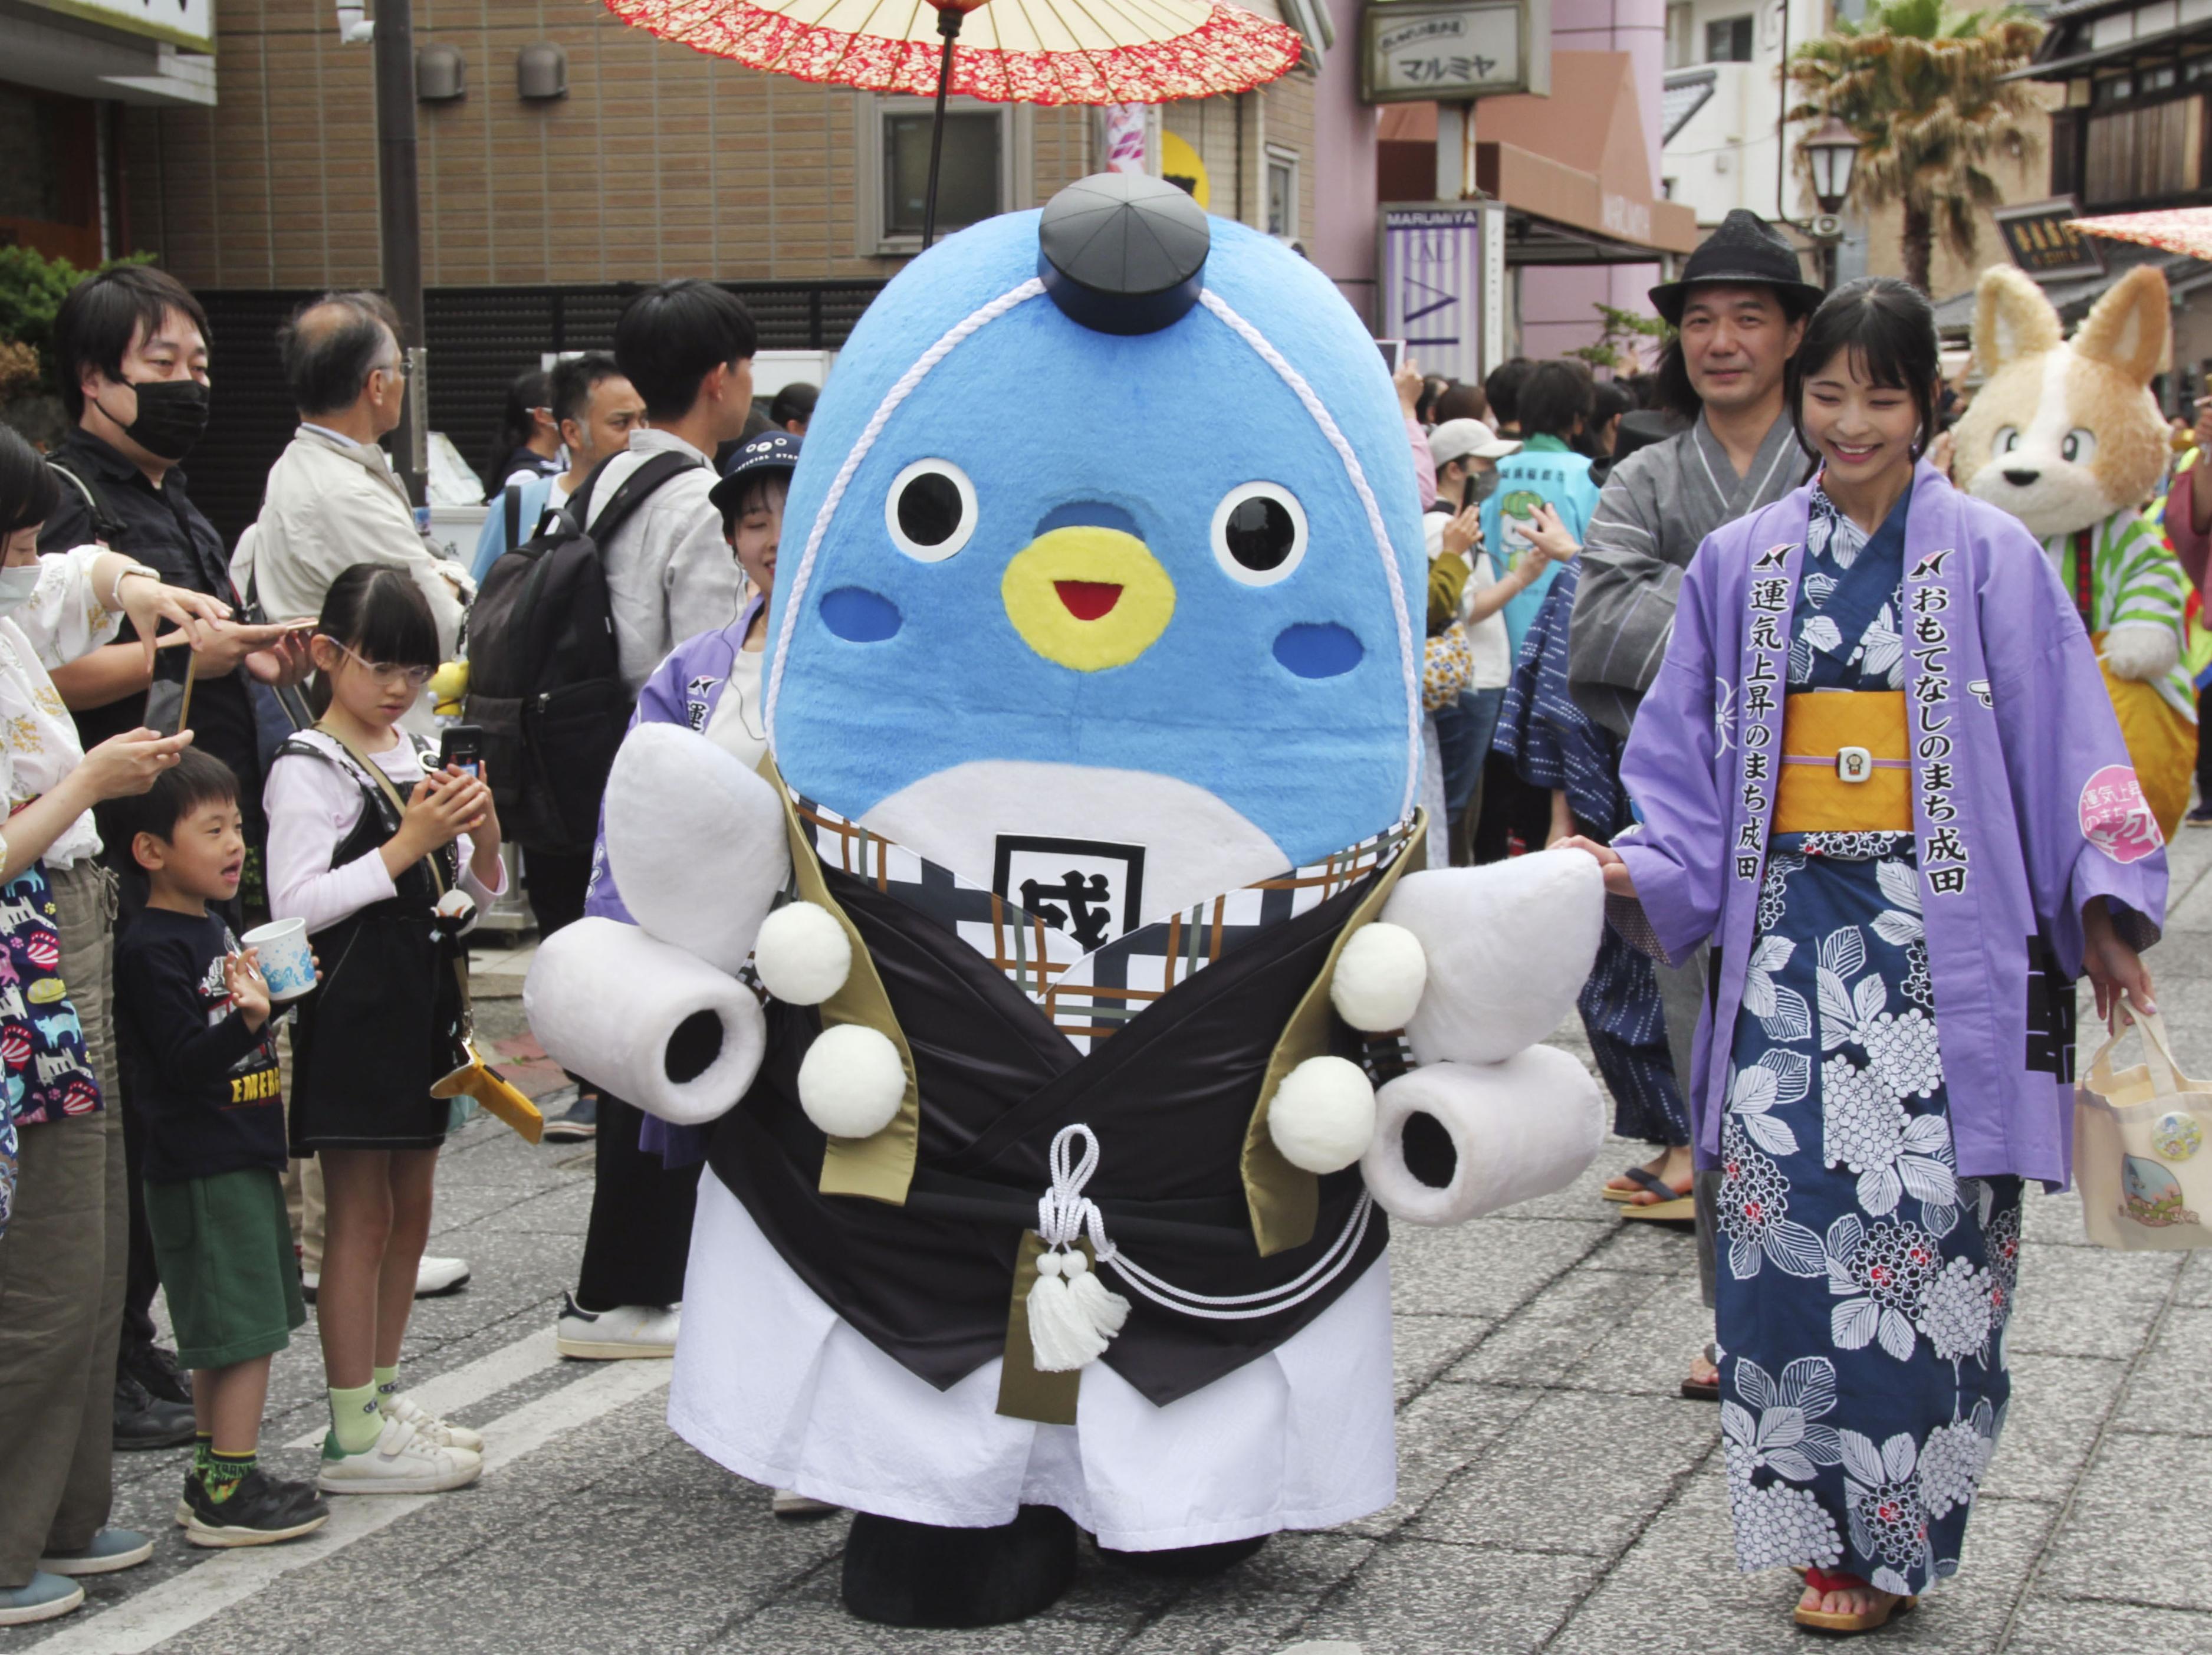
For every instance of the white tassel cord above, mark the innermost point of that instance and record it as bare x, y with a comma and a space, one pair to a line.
1072, 1314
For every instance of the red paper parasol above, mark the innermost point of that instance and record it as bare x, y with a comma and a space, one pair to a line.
2172, 229
1043, 52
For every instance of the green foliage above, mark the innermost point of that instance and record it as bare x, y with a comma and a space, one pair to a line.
1618, 328
1922, 87
32, 289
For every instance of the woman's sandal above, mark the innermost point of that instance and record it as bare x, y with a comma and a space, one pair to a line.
1822, 1581
1695, 1389
1649, 1181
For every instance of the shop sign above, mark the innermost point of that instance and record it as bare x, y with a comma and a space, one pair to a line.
2043, 243
1454, 50
1444, 286
180, 22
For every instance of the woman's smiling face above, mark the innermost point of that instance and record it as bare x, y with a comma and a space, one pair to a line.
1861, 428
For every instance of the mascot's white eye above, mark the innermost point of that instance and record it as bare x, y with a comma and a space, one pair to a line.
2006, 440
931, 510
1259, 534
2078, 447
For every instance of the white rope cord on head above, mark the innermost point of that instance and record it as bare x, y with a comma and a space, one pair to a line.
1065, 1214
898, 393
1409, 661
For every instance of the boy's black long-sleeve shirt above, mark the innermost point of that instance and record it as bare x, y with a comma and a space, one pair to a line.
206, 1083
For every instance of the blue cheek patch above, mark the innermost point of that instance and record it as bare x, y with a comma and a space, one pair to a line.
1324, 651
860, 616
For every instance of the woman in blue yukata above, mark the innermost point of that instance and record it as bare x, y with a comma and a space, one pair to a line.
1877, 772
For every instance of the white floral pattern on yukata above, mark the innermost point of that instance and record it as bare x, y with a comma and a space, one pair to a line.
1859, 1268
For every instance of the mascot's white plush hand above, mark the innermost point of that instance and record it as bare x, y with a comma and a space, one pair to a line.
696, 842
1455, 1141
1475, 964
656, 1026
1506, 946
2141, 650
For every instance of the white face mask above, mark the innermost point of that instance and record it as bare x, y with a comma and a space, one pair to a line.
17, 583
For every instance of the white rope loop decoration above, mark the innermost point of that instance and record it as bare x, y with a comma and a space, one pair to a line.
1066, 1214
908, 381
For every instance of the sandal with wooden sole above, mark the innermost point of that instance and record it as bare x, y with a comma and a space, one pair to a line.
1647, 1182
1821, 1581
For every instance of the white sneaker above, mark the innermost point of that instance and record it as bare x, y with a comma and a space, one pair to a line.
609, 1335
428, 1427
793, 1507
399, 1463
436, 1275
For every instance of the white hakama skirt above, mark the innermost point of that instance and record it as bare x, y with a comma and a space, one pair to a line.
772, 1384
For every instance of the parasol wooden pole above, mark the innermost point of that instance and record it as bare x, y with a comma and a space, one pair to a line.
948, 25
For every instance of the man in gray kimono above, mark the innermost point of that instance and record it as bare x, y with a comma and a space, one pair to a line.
1738, 312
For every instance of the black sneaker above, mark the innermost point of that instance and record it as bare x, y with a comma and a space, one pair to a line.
156, 1369
145, 1421
580, 1121
260, 1512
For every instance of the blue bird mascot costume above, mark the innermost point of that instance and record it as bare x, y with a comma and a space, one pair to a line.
1066, 1000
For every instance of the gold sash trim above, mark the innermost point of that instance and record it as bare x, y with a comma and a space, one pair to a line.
1284, 1200
879, 1167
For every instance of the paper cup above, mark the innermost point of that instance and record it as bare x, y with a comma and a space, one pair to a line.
287, 963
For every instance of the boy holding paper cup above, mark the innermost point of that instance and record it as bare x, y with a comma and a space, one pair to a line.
198, 1052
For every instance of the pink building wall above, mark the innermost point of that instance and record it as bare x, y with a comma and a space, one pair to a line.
1343, 242
1556, 301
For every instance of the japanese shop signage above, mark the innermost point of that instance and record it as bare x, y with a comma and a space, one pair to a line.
1454, 50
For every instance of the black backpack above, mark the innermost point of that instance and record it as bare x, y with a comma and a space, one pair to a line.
545, 683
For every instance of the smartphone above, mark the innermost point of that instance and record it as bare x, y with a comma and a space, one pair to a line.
1394, 353
462, 745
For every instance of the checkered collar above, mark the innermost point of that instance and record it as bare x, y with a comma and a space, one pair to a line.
1086, 992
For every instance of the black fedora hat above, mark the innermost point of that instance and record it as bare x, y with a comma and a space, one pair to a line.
1745, 251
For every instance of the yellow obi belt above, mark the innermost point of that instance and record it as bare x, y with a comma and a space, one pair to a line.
1845, 763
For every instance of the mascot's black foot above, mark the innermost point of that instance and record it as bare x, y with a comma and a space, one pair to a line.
1187, 1562
912, 1575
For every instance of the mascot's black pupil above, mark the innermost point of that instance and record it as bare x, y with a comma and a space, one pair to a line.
1260, 533
929, 510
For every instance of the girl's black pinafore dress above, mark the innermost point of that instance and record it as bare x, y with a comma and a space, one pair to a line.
385, 1023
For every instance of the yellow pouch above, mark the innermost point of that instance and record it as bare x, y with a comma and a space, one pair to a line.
477, 1079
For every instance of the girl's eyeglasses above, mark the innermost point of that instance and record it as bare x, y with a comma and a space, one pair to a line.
386, 672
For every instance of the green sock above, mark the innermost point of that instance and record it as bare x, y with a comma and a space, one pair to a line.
225, 1472
355, 1422
202, 1446
387, 1381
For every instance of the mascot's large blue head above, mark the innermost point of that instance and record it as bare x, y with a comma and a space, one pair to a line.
1105, 535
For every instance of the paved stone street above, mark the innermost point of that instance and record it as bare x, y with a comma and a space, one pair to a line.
1555, 1495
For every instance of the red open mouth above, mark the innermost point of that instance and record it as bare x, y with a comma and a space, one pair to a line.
1087, 600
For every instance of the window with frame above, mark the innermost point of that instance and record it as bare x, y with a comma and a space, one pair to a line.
1282, 197
1727, 40
1680, 36
973, 173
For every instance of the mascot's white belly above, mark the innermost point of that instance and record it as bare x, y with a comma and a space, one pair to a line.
966, 818
772, 1384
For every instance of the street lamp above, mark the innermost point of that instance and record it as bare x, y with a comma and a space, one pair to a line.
1831, 154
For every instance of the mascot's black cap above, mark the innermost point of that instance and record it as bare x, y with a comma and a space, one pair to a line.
1123, 252
1746, 251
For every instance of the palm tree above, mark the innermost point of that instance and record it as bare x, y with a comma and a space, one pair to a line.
1919, 84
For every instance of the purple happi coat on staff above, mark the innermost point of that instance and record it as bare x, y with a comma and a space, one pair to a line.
2025, 806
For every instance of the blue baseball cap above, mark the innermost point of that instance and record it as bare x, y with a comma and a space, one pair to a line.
771, 451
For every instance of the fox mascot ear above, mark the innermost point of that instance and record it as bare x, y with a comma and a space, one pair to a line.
2130, 328
2012, 319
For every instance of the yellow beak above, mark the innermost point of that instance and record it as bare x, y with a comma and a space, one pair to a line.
1088, 597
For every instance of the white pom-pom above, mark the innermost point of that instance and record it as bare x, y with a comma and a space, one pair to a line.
803, 955
851, 1081
1322, 1116
1379, 977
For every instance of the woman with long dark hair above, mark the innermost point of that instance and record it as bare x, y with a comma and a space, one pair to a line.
1878, 772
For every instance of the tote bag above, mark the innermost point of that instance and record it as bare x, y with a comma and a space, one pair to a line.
2142, 1148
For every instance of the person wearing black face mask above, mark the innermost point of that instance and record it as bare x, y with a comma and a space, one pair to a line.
132, 358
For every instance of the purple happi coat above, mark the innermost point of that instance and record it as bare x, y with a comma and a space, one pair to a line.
2025, 806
